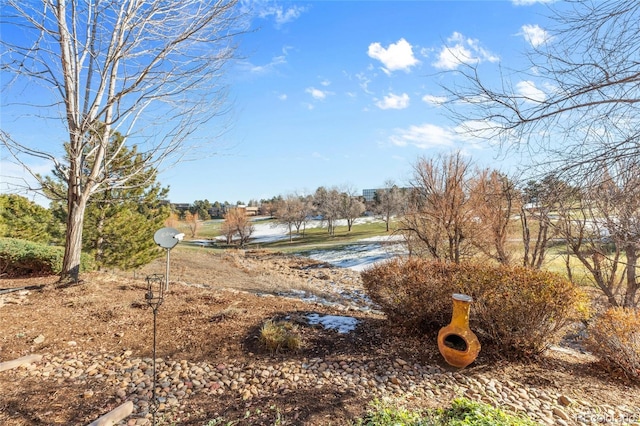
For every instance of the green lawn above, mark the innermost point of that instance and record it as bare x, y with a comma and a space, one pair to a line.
312, 238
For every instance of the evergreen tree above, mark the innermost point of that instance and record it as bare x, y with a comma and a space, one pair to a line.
24, 219
201, 208
120, 222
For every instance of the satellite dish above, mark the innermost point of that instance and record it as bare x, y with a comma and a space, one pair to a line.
166, 237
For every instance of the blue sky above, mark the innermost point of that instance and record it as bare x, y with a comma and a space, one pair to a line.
345, 93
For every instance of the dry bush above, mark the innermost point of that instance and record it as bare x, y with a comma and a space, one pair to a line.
277, 336
413, 293
518, 311
614, 337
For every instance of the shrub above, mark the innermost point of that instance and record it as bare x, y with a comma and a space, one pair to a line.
21, 257
413, 293
466, 412
280, 335
462, 412
387, 414
520, 311
614, 337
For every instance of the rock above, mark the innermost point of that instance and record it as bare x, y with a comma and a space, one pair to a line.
558, 412
565, 401
38, 340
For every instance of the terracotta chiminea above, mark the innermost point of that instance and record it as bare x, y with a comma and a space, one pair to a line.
457, 343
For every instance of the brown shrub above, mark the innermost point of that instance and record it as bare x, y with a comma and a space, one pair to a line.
517, 310
614, 337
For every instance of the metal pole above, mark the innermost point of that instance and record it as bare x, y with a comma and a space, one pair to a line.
155, 400
166, 287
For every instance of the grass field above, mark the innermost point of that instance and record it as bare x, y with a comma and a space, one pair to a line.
313, 237
316, 238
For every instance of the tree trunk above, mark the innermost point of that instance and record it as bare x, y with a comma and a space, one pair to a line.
526, 237
632, 282
73, 242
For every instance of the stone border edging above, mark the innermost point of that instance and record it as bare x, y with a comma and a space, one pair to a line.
115, 415
8, 365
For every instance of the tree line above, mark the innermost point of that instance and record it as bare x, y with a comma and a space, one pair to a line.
450, 211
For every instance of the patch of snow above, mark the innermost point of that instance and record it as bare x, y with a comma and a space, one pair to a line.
273, 231
358, 257
333, 322
270, 232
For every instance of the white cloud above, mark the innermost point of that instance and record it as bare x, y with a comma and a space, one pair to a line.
325, 83
398, 56
434, 100
392, 101
364, 83
280, 14
468, 134
535, 35
317, 93
460, 50
282, 96
528, 90
266, 68
423, 136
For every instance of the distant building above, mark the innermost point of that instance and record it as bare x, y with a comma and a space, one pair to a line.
369, 194
181, 207
249, 210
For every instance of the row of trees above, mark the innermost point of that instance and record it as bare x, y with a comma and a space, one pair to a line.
452, 212
580, 118
456, 212
328, 204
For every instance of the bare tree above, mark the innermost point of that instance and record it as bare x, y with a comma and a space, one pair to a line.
582, 95
350, 206
327, 204
440, 213
541, 200
193, 222
494, 200
236, 222
390, 201
617, 201
173, 220
603, 231
293, 211
228, 230
149, 69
